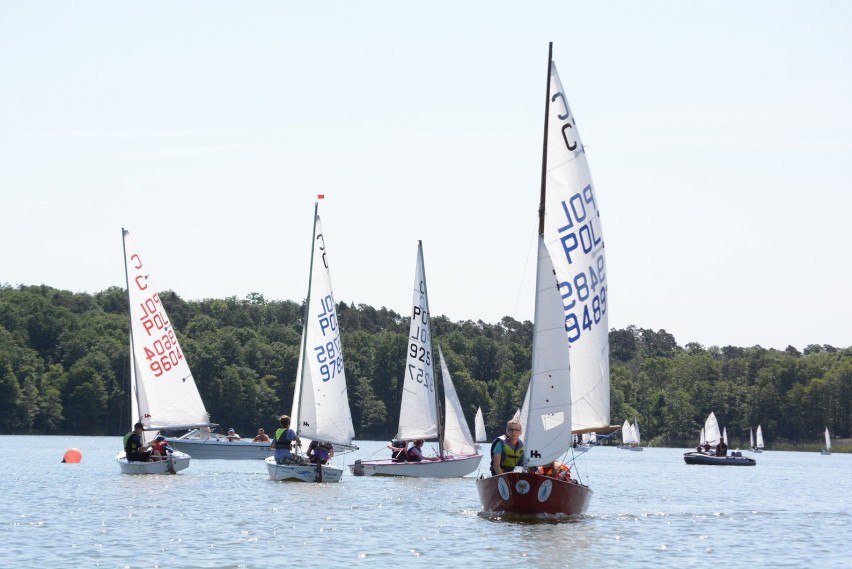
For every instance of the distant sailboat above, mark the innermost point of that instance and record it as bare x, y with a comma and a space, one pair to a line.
827, 449
712, 436
479, 424
758, 445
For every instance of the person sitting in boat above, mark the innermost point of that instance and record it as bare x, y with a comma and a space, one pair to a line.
160, 449
706, 446
232, 435
285, 437
556, 470
507, 451
721, 448
398, 450
134, 448
415, 453
320, 452
261, 437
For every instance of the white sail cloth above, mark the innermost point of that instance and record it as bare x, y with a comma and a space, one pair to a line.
572, 233
164, 392
320, 402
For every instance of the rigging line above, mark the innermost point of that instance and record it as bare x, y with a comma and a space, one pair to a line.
523, 278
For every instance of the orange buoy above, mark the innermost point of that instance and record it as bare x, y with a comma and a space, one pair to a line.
72, 455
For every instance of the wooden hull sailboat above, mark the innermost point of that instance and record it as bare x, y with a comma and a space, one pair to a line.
524, 494
568, 392
163, 394
320, 403
419, 408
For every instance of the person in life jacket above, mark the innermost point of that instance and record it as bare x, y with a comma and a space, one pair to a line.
161, 448
415, 453
135, 449
284, 438
320, 452
507, 451
555, 470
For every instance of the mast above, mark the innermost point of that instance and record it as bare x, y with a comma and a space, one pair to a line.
134, 393
544, 143
305, 321
435, 383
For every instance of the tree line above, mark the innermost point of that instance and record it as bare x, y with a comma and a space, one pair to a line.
64, 368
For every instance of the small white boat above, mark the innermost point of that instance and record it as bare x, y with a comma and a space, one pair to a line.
163, 394
827, 449
320, 401
418, 418
201, 443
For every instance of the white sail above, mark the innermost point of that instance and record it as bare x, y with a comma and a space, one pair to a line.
827, 440
323, 404
759, 437
750, 438
457, 437
163, 391
479, 422
572, 232
636, 436
711, 430
626, 433
548, 418
418, 416
701, 438
725, 435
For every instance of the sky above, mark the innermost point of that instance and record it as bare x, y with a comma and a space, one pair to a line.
718, 134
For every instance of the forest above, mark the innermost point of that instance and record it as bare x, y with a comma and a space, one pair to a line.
64, 369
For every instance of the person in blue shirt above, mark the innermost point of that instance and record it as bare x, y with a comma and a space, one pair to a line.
284, 439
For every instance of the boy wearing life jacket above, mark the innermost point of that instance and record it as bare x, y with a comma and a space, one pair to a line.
507, 451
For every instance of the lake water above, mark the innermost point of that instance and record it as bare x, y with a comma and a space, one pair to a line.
649, 509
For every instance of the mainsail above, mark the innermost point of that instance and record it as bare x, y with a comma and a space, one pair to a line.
320, 402
573, 236
711, 430
479, 426
163, 391
418, 416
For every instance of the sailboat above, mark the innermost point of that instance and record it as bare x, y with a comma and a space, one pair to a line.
479, 427
751, 438
419, 409
568, 392
320, 409
712, 436
827, 449
163, 394
637, 438
626, 435
758, 440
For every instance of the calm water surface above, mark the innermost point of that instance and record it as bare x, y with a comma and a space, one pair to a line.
649, 509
